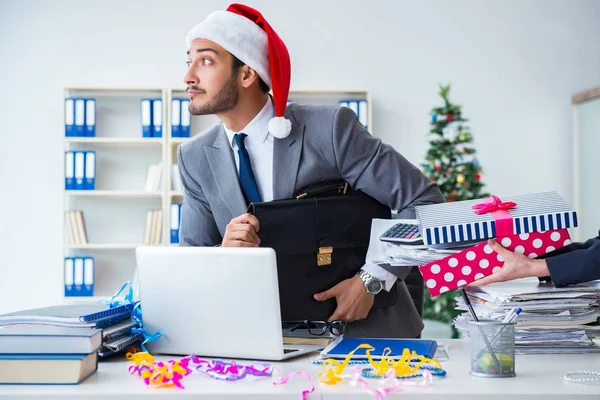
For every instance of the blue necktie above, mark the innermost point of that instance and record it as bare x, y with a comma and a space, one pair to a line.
247, 181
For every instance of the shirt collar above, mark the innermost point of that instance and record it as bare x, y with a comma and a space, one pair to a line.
258, 128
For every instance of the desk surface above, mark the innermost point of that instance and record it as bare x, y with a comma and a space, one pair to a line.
538, 377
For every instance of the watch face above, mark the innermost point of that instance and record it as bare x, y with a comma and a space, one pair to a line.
374, 286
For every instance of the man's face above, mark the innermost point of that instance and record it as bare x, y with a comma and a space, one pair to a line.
211, 84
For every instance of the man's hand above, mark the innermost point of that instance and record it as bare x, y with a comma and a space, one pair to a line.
241, 232
515, 266
353, 301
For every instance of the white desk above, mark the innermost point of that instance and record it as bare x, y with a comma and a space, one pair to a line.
538, 377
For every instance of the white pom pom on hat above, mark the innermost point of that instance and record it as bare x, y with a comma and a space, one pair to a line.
244, 32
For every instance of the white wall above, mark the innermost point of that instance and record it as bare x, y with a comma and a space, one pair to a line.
513, 65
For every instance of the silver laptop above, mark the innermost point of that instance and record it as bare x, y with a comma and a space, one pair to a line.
213, 301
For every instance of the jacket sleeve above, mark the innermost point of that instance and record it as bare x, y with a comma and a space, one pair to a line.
370, 165
582, 264
198, 226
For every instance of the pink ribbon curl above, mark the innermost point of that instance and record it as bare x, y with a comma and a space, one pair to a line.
492, 205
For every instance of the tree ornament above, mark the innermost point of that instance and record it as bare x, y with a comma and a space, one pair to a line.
478, 176
460, 179
449, 118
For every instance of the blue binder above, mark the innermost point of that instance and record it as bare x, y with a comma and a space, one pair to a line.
69, 170
157, 118
88, 276
78, 275
175, 218
70, 117
89, 182
185, 118
69, 283
90, 117
79, 170
79, 117
175, 118
146, 114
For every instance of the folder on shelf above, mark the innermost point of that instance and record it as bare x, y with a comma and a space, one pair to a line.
70, 117
363, 113
185, 118
176, 178
146, 114
175, 118
353, 105
90, 170
88, 276
175, 217
90, 117
69, 283
79, 117
79, 170
157, 118
157, 234
71, 223
78, 275
69, 170
149, 227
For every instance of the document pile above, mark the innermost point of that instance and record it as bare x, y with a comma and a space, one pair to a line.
400, 254
553, 320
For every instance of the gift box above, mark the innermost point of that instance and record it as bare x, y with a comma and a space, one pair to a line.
478, 261
531, 224
468, 220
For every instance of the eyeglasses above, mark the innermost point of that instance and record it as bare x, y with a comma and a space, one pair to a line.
317, 328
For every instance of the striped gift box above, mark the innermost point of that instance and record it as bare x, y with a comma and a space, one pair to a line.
457, 222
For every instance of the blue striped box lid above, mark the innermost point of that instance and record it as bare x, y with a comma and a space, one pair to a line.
457, 222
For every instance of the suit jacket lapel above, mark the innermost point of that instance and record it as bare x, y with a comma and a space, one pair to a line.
286, 158
222, 164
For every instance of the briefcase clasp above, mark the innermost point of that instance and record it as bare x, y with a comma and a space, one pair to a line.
324, 256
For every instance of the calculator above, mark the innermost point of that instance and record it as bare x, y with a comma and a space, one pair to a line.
403, 233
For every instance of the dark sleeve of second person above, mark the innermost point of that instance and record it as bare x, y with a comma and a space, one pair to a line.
575, 263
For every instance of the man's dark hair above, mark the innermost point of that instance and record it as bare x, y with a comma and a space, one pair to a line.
236, 64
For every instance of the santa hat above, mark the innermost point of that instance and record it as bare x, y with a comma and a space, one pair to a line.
246, 34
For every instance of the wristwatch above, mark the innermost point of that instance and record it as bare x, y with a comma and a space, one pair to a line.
372, 284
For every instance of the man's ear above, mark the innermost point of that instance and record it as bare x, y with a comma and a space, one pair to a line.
248, 76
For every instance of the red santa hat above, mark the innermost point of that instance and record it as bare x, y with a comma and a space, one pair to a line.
245, 33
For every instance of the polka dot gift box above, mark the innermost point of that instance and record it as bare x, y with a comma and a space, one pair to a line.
476, 262
532, 224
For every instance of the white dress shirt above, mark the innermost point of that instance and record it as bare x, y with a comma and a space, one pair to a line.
259, 144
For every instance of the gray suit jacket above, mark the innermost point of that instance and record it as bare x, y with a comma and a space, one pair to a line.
326, 143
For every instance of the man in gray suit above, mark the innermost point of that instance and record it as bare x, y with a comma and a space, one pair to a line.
266, 149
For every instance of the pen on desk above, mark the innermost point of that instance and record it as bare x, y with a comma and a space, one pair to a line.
466, 299
512, 315
481, 330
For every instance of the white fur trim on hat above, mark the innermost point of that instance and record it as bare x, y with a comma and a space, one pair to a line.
280, 127
239, 36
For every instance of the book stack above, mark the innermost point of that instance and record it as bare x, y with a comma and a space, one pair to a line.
152, 234
62, 344
75, 222
154, 177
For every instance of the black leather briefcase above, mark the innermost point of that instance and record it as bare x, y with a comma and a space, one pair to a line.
321, 237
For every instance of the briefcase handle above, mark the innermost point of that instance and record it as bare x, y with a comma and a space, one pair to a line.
323, 188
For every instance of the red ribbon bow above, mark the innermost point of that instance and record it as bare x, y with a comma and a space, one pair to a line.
494, 205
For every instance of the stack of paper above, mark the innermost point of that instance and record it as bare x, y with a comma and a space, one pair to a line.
553, 320
401, 255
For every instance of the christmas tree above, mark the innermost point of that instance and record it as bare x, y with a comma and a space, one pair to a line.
451, 163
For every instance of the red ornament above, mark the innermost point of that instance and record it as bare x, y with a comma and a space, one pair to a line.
436, 168
478, 176
449, 118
